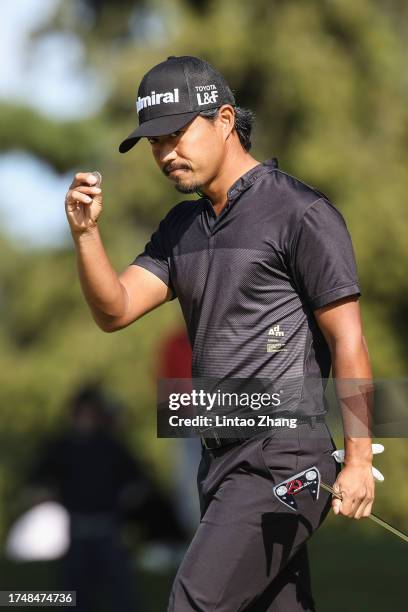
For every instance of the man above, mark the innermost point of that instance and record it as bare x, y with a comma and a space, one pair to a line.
90, 472
258, 251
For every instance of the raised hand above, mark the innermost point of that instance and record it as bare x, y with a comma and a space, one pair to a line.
83, 202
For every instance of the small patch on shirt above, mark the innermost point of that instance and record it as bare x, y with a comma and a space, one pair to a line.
275, 342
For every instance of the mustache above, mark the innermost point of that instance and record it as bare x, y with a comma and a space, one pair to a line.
169, 167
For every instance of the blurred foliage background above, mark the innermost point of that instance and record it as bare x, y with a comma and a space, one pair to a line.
328, 82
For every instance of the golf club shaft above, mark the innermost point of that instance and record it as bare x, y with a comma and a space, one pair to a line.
373, 517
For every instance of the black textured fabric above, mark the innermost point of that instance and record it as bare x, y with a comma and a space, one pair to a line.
249, 280
249, 552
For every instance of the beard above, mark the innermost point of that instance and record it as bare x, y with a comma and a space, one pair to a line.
188, 188
180, 185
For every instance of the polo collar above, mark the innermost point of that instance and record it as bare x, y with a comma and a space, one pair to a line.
248, 179
242, 184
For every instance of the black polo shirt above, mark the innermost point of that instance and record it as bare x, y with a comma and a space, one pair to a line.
249, 280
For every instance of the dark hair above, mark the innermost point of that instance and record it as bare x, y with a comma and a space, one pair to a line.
244, 119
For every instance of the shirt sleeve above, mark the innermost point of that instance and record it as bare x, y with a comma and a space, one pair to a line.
322, 257
155, 257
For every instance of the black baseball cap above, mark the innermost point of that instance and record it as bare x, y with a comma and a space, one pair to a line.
172, 93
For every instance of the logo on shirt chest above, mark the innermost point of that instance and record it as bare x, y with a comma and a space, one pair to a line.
275, 343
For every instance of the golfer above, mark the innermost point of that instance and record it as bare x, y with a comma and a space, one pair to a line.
263, 267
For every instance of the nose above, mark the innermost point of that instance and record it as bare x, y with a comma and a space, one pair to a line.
166, 152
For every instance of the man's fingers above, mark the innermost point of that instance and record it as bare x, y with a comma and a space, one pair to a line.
364, 499
356, 507
78, 196
89, 190
347, 505
81, 194
365, 508
355, 484
336, 502
86, 177
336, 505
83, 178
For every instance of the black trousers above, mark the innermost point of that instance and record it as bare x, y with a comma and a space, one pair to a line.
249, 551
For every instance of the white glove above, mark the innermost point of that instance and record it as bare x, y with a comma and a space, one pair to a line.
377, 448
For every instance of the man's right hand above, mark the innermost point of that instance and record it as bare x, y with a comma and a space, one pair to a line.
83, 203
115, 301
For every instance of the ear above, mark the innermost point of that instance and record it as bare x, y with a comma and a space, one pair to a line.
226, 118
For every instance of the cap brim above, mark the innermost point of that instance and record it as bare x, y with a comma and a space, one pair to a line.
157, 127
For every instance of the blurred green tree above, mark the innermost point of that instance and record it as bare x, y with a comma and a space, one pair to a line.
327, 82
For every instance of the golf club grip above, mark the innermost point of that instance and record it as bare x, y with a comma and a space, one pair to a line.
373, 517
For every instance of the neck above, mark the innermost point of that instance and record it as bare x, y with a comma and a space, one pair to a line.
236, 163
